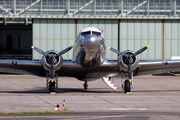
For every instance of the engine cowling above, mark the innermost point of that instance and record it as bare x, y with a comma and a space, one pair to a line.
123, 62
57, 61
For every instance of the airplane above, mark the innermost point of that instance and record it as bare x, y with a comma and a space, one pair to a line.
89, 63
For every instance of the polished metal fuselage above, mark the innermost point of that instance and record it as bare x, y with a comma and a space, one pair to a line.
89, 50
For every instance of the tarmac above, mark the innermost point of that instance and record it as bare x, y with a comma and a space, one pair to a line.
153, 97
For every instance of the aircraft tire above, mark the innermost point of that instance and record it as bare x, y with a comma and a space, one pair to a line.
127, 86
85, 86
51, 87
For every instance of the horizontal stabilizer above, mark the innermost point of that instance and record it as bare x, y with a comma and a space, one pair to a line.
175, 58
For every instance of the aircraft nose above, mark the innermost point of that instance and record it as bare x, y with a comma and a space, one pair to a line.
91, 41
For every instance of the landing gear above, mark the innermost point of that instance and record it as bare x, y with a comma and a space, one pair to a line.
127, 84
51, 84
85, 85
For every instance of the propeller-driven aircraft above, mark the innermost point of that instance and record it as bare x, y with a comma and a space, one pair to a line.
89, 63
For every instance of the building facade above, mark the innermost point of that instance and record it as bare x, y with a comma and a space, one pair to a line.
54, 24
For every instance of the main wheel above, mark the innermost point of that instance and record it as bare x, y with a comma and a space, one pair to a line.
51, 86
85, 85
127, 86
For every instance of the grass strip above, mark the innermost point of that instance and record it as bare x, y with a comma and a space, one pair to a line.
65, 111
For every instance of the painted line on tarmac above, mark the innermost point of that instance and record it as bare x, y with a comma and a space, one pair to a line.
98, 117
128, 108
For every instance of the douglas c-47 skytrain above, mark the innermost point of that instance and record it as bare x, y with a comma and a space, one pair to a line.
89, 63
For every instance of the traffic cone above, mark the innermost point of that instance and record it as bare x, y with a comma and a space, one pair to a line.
57, 108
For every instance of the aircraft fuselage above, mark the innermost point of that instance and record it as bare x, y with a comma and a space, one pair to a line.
89, 48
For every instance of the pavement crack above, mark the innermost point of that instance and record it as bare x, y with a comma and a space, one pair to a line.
15, 84
15, 118
168, 99
45, 101
106, 100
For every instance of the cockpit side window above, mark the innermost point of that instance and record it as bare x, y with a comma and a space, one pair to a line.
96, 33
86, 33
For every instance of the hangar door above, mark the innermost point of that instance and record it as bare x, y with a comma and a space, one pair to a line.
49, 34
110, 33
171, 38
136, 34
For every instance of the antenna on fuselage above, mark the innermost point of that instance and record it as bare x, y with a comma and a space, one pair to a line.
90, 26
102, 30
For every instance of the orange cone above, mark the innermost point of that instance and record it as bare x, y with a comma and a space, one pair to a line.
57, 108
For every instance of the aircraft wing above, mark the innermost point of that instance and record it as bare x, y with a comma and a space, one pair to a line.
20, 67
155, 67
70, 68
35, 68
145, 67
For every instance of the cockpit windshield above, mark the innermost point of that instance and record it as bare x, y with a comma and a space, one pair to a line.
86, 33
96, 33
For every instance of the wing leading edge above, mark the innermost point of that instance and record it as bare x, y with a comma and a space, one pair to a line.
155, 67
32, 67
20, 67
70, 68
145, 67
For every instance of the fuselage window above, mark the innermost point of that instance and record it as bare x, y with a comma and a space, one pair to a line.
86, 33
96, 33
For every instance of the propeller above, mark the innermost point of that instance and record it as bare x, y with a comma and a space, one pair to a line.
52, 71
129, 57
141, 50
116, 51
51, 57
39, 50
64, 51
44, 53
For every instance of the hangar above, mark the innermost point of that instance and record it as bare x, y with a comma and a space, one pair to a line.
54, 24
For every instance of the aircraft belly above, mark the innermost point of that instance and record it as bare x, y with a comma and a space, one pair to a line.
89, 74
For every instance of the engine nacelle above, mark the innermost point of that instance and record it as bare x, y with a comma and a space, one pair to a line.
123, 62
57, 61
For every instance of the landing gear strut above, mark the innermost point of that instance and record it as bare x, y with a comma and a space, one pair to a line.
51, 84
85, 85
127, 84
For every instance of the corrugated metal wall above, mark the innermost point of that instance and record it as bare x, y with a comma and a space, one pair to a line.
136, 34
59, 34
162, 36
49, 34
171, 38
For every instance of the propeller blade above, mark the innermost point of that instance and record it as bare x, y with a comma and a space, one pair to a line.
100, 49
141, 50
115, 51
38, 50
129, 71
52, 71
64, 51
